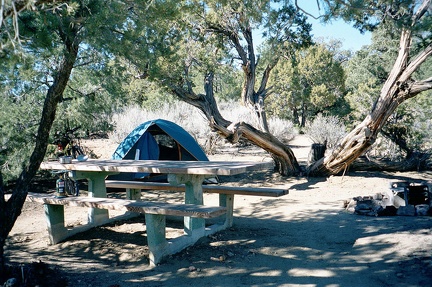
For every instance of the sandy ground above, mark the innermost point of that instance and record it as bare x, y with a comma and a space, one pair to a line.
305, 238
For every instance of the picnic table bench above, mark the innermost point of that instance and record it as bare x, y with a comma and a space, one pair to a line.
155, 219
226, 193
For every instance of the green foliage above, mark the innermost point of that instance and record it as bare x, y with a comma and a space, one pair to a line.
393, 13
309, 83
27, 77
139, 52
228, 83
18, 124
367, 71
410, 127
147, 94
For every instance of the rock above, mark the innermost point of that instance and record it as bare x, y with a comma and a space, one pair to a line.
367, 206
422, 209
408, 210
389, 210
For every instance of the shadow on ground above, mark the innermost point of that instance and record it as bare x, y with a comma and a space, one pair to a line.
311, 247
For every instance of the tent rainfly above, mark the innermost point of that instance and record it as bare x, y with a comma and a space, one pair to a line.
158, 140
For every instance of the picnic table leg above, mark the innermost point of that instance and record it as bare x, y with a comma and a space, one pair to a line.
96, 188
156, 238
133, 193
55, 222
227, 200
193, 195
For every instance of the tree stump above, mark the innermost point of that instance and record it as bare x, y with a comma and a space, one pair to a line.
316, 152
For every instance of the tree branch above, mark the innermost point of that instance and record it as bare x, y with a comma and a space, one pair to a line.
416, 62
401, 61
421, 11
421, 86
17, 6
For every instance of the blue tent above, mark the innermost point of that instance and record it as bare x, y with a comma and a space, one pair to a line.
158, 140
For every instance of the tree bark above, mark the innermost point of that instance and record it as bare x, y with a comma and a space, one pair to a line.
11, 209
283, 156
415, 162
398, 88
316, 152
285, 161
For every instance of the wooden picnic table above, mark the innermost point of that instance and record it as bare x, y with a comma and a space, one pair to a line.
190, 173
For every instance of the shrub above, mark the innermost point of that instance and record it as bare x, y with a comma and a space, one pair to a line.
191, 119
284, 130
180, 113
325, 129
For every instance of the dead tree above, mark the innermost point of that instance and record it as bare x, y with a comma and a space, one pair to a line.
398, 87
285, 161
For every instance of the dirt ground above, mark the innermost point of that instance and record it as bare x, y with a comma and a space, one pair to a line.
305, 238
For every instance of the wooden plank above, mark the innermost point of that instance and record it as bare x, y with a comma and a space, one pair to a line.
143, 185
192, 210
161, 166
255, 191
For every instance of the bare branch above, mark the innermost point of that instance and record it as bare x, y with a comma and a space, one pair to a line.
421, 86
306, 12
415, 63
13, 8
401, 61
421, 11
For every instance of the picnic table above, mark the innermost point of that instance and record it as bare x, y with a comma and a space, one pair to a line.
191, 174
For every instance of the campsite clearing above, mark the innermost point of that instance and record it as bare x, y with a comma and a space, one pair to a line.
303, 239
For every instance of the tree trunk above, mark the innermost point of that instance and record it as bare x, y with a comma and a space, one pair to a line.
316, 153
295, 117
415, 162
398, 88
11, 209
303, 115
285, 161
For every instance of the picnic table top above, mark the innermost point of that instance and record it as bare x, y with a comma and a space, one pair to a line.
160, 166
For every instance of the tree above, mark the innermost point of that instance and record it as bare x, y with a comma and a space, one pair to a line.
406, 130
207, 36
9, 13
68, 25
307, 84
412, 20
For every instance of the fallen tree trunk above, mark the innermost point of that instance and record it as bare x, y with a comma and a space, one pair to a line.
416, 162
285, 161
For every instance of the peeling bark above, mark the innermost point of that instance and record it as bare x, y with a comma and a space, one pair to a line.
398, 87
285, 161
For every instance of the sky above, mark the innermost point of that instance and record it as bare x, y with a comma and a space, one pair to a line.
350, 37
